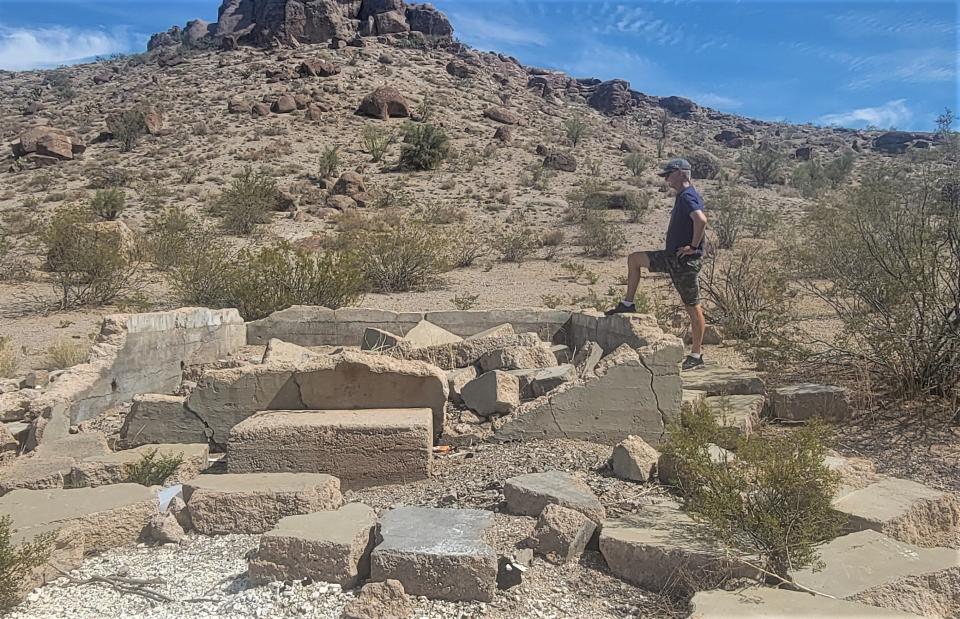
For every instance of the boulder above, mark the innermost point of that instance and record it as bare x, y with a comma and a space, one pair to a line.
383, 103
15, 405
518, 358
436, 553
164, 529
806, 401
711, 336
255, 502
260, 109
492, 393
528, 495
380, 600
330, 546
459, 68
427, 19
678, 106
284, 105
634, 459
502, 115
349, 184
562, 534
317, 68
612, 97
55, 145
560, 161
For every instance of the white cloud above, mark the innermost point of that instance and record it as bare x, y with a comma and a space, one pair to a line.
890, 114
715, 100
608, 62
32, 48
488, 33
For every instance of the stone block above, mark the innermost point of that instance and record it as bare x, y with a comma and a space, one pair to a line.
359, 447
718, 380
634, 459
115, 468
662, 549
378, 340
457, 380
562, 534
255, 502
902, 509
353, 321
428, 334
738, 412
525, 378
504, 329
518, 358
548, 379
712, 336
106, 517
305, 325
436, 553
34, 473
492, 393
770, 603
802, 402
528, 495
8, 443
465, 353
874, 569
14, 405
280, 353
380, 600
156, 418
77, 446
561, 352
331, 546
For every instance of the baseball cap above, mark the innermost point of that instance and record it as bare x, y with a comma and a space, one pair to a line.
674, 164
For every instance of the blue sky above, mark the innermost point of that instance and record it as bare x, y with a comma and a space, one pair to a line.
891, 63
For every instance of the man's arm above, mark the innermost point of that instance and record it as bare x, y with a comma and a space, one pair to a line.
699, 226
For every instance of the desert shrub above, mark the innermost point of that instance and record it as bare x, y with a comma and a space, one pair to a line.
886, 258
153, 468
6, 253
465, 247
839, 168
201, 271
553, 238
8, 358
809, 178
108, 203
376, 141
16, 562
464, 302
127, 127
636, 163
399, 255
636, 204
62, 83
762, 164
576, 129
663, 126
424, 147
516, 244
760, 221
172, 235
703, 165
107, 177
728, 216
747, 293
537, 176
66, 353
247, 202
89, 264
599, 236
329, 161
772, 500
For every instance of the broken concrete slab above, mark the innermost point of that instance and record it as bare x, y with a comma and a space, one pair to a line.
718, 380
255, 502
548, 379
562, 534
35, 473
807, 401
492, 393
498, 330
587, 357
770, 603
116, 467
436, 553
134, 354
525, 378
351, 322
330, 546
347, 380
359, 447
157, 418
662, 549
378, 340
528, 495
107, 517
77, 446
457, 379
518, 358
628, 395
428, 334
902, 509
304, 325
279, 352
15, 405
546, 324
741, 413
465, 353
634, 459
8, 443
562, 353
611, 332
874, 569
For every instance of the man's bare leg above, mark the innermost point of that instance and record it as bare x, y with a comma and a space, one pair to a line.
635, 261
697, 326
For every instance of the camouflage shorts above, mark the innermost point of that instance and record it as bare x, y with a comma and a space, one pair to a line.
684, 273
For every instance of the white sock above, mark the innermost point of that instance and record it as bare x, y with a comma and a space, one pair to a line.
627, 303
696, 355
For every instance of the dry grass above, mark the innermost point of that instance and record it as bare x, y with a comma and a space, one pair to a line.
65, 353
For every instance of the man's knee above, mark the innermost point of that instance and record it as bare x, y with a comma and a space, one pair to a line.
638, 259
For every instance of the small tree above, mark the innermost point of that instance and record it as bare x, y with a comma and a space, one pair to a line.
329, 161
774, 499
728, 216
762, 164
424, 147
664, 121
247, 202
108, 203
945, 122
636, 163
376, 141
16, 562
576, 128
127, 127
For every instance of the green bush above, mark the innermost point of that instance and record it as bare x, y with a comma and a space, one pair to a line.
576, 128
516, 244
153, 468
839, 168
376, 141
108, 203
399, 255
729, 216
424, 147
127, 127
17, 562
247, 202
599, 236
329, 161
762, 164
172, 235
637, 205
809, 178
465, 247
636, 163
773, 500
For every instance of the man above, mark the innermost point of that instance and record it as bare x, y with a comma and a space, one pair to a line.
681, 258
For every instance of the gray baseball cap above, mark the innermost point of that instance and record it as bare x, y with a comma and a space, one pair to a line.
673, 165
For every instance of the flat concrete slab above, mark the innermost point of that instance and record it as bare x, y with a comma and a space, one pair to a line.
34, 473
78, 446
116, 467
903, 509
720, 380
661, 548
436, 553
331, 546
808, 400
770, 603
106, 517
361, 448
875, 569
527, 495
255, 502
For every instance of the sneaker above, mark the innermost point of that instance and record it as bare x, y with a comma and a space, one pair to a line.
621, 308
692, 363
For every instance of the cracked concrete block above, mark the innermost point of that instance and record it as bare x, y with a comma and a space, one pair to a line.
716, 380
623, 398
255, 502
465, 353
561, 352
305, 325
359, 447
528, 495
279, 352
353, 321
115, 468
770, 603
544, 323
15, 405
492, 393
518, 358
35, 473
634, 459
806, 401
437, 553
156, 418
329, 546
504, 329
428, 334
587, 357
78, 446
548, 379
525, 378
562, 534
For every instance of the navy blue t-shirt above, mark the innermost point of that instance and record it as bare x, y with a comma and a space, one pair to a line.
680, 230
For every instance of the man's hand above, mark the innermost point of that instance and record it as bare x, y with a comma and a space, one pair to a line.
686, 250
